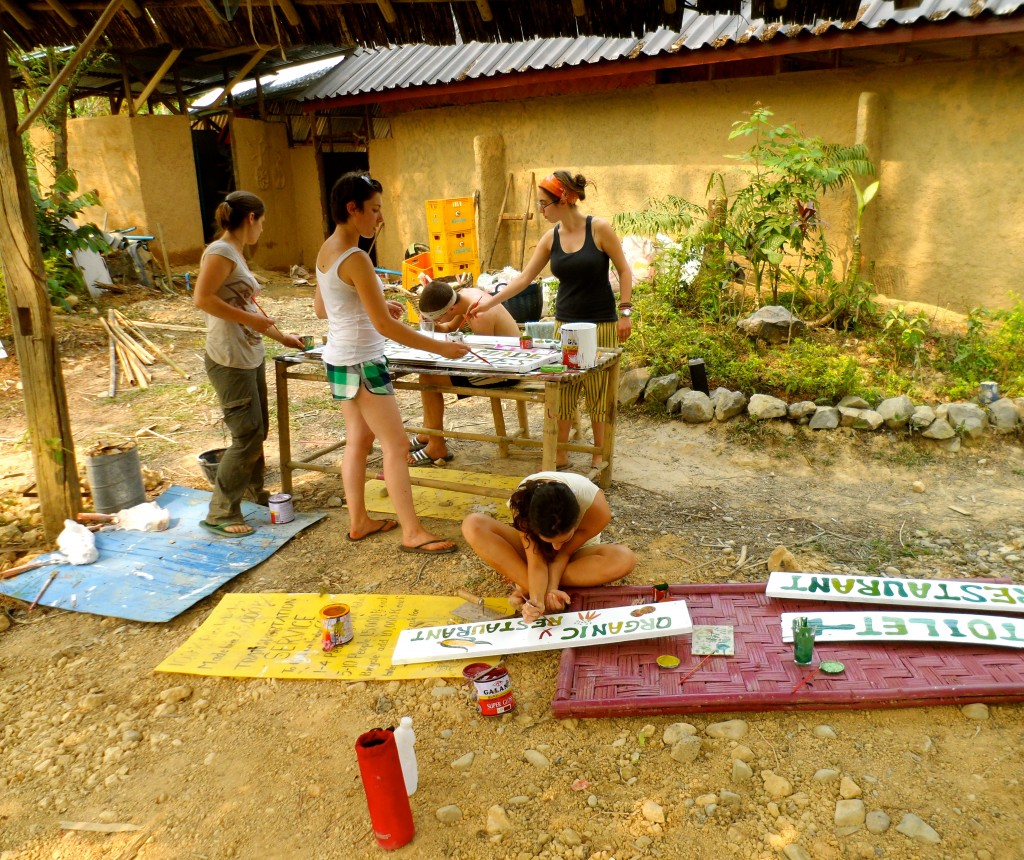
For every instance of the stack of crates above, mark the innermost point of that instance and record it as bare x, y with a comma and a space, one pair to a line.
451, 224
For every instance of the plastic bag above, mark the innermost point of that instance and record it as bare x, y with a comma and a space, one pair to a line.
77, 544
147, 517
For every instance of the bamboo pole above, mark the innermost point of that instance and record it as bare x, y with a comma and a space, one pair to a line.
112, 384
168, 326
167, 262
135, 348
129, 326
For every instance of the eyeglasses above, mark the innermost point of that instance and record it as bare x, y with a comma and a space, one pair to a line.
543, 204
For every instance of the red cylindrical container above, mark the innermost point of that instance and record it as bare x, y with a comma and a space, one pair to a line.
384, 785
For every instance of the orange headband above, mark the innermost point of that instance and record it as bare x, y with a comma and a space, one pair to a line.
553, 185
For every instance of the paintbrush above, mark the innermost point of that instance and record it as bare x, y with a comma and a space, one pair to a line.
42, 591
477, 354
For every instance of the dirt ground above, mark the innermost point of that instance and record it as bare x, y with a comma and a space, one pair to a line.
215, 768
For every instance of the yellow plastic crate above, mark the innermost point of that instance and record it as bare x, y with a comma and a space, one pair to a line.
453, 247
451, 213
451, 270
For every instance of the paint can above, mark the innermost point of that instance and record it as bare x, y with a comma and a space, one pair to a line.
308, 341
493, 688
336, 625
281, 510
525, 341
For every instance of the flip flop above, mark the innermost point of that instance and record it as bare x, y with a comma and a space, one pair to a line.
416, 445
220, 529
385, 526
422, 458
420, 549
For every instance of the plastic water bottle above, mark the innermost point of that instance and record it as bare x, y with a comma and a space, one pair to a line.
405, 740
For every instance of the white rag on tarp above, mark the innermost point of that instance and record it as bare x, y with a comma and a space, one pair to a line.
147, 517
77, 544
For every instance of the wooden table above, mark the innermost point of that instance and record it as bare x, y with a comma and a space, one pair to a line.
531, 387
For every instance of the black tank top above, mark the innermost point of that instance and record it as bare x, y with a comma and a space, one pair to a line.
584, 291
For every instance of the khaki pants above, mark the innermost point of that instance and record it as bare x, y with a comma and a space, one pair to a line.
243, 397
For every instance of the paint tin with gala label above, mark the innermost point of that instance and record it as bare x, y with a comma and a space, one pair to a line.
336, 625
281, 510
493, 688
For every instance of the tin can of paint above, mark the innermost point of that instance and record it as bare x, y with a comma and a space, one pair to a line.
493, 688
335, 625
281, 510
525, 341
308, 341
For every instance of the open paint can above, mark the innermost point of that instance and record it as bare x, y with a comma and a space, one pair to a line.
579, 345
336, 625
493, 688
281, 510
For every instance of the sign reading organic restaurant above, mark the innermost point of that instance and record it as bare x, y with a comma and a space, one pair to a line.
935, 593
549, 632
896, 626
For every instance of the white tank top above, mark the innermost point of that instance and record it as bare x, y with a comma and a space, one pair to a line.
351, 337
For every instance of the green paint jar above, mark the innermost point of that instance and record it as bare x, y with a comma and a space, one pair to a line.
803, 642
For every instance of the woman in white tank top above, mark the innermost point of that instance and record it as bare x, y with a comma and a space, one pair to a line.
351, 297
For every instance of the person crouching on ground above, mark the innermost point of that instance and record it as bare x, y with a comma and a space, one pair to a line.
554, 541
447, 308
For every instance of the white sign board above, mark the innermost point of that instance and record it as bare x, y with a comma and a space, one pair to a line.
509, 359
1000, 631
548, 633
934, 593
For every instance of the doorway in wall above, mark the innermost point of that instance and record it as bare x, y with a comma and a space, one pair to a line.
336, 164
215, 175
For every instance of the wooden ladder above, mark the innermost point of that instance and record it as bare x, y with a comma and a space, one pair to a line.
526, 217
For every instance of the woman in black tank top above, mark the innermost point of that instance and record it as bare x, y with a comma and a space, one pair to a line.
579, 248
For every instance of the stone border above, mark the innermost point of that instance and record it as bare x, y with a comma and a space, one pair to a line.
945, 423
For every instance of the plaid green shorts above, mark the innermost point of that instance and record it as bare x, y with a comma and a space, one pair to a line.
345, 380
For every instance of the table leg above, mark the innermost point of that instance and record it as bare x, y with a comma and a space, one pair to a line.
604, 479
284, 438
551, 396
524, 419
499, 426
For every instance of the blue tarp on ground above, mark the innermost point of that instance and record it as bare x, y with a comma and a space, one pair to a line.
154, 576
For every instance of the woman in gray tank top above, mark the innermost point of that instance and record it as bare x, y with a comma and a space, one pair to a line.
225, 291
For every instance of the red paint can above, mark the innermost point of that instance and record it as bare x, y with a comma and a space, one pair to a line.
493, 688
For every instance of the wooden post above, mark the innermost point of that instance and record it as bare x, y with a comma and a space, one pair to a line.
46, 406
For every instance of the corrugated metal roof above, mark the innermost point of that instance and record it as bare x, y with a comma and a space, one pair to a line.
408, 66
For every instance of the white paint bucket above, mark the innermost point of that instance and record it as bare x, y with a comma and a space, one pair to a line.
579, 345
281, 510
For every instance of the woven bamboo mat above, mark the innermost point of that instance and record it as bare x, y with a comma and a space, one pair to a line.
621, 680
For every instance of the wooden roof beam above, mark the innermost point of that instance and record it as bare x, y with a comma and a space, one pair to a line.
237, 79
18, 14
579, 8
291, 14
69, 69
387, 10
158, 76
485, 10
134, 9
670, 7
62, 10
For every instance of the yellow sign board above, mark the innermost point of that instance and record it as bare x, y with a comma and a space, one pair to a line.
447, 504
279, 636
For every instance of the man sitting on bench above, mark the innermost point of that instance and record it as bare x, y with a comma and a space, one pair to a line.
448, 308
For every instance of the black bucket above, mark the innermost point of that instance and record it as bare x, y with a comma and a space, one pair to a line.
208, 462
528, 306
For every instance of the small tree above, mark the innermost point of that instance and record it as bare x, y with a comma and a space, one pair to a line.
775, 213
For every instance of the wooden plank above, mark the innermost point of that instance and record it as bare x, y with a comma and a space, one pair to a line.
73, 63
45, 397
158, 76
64, 13
977, 596
238, 78
552, 632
